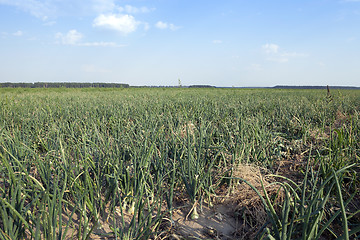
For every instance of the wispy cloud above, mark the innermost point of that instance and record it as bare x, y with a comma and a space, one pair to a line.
51, 23
100, 44
217, 41
133, 10
103, 6
39, 9
270, 48
275, 54
108, 14
51, 9
18, 33
164, 25
161, 25
73, 37
109, 6
124, 24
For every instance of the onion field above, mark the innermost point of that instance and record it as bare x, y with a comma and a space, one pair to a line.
179, 163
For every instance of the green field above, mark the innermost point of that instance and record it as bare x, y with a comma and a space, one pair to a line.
124, 163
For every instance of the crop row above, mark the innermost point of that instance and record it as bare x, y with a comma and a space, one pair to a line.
80, 163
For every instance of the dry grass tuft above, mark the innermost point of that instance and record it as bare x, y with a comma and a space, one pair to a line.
341, 119
249, 208
187, 129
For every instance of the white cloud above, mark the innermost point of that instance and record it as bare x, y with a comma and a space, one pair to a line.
133, 10
18, 33
121, 23
161, 25
164, 25
275, 55
73, 37
270, 48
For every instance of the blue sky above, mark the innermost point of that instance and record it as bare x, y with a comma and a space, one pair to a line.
156, 42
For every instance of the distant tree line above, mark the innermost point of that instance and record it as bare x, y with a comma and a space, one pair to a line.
63, 85
86, 85
201, 86
314, 87
124, 85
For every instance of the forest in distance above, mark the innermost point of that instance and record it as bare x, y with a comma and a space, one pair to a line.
125, 85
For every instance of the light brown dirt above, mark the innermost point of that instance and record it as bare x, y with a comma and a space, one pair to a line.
217, 222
